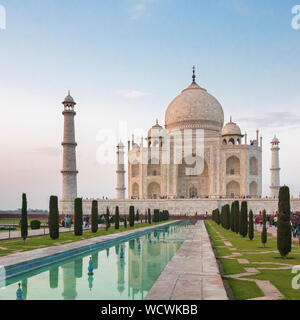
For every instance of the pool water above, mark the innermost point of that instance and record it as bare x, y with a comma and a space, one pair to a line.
114, 278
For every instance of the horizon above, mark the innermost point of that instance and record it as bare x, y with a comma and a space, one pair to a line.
245, 53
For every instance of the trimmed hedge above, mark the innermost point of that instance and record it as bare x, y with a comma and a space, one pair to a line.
78, 220
284, 234
94, 216
131, 216
251, 226
53, 220
24, 220
35, 224
244, 219
117, 218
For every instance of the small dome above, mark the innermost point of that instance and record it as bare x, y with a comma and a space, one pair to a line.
231, 129
275, 140
69, 99
155, 130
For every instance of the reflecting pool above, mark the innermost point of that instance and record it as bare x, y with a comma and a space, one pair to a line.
123, 271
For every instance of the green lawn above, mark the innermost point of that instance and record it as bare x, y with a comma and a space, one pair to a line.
17, 245
16, 221
255, 252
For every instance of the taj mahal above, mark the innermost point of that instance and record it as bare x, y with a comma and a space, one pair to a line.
192, 165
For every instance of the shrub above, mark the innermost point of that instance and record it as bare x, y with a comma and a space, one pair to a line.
251, 226
117, 218
244, 219
53, 220
131, 216
94, 216
284, 234
264, 230
24, 221
78, 217
35, 224
125, 222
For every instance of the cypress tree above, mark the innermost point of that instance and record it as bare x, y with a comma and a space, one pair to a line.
244, 219
78, 221
156, 215
236, 216
53, 218
218, 217
284, 234
251, 225
117, 218
137, 216
264, 230
94, 216
24, 221
149, 216
125, 222
131, 216
107, 219
232, 217
227, 216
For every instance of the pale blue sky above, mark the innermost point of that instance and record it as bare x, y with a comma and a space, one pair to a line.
126, 60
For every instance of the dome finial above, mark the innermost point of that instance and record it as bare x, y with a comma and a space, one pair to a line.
194, 76
230, 119
156, 121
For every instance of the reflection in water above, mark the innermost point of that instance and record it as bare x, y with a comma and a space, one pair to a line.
53, 277
139, 263
78, 268
95, 258
90, 281
24, 288
69, 280
121, 275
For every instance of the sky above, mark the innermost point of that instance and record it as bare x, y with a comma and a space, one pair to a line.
125, 61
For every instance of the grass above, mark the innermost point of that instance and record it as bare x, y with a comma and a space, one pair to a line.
244, 289
17, 245
17, 221
255, 252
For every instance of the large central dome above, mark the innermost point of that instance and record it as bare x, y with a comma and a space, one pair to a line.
194, 108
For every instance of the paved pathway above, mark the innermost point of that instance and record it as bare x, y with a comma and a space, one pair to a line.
193, 273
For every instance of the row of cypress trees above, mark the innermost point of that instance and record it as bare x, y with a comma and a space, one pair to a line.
234, 219
238, 221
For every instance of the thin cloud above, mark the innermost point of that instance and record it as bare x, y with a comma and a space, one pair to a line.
140, 8
133, 94
273, 119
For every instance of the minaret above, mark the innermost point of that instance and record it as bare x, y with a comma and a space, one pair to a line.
275, 170
69, 171
120, 172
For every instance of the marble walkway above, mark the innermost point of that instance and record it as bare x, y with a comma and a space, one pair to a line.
193, 273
